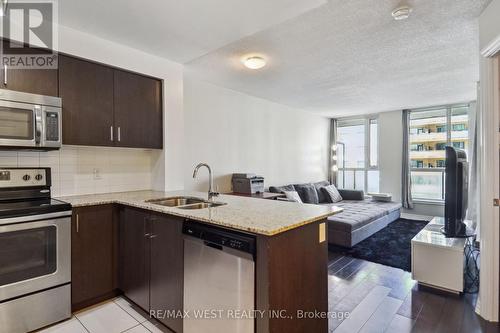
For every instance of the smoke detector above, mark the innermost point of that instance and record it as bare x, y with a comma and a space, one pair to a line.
401, 13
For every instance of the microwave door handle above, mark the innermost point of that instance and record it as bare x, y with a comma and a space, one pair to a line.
38, 124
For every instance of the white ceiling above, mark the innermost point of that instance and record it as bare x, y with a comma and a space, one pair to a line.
178, 30
351, 57
334, 58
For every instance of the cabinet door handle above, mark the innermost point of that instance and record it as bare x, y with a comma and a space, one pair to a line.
153, 236
77, 223
111, 133
147, 235
119, 134
5, 74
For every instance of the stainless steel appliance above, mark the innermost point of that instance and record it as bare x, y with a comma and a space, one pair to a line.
219, 280
35, 251
29, 121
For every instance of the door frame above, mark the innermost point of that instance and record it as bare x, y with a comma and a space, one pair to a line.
489, 108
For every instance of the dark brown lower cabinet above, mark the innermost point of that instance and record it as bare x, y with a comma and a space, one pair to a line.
167, 268
151, 262
134, 256
93, 255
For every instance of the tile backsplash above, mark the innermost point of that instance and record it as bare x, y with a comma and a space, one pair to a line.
88, 170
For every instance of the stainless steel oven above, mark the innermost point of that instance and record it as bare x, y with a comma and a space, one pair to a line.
34, 255
30, 121
35, 252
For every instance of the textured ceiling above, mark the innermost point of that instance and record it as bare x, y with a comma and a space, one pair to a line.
351, 57
178, 30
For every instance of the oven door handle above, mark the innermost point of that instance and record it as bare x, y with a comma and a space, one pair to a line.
34, 218
38, 124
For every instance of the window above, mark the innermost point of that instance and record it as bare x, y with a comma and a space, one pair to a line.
436, 128
357, 154
417, 164
441, 146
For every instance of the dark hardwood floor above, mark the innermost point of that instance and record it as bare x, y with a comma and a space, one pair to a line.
385, 299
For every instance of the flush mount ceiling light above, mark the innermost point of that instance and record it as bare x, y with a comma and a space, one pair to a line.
254, 62
401, 13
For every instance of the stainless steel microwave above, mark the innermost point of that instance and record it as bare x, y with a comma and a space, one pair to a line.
29, 121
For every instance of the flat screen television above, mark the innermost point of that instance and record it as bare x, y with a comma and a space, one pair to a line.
456, 192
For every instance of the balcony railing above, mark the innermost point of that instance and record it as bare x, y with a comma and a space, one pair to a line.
438, 136
428, 184
425, 154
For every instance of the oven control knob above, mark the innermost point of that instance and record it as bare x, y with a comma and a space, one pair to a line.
26, 178
39, 177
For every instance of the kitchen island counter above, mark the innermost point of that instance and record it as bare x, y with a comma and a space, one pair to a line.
290, 255
263, 217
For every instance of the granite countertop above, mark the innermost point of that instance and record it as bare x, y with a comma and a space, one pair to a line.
260, 216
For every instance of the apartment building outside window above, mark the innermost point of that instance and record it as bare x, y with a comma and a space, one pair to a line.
431, 130
357, 154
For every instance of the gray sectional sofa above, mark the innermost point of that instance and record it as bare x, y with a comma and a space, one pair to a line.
360, 219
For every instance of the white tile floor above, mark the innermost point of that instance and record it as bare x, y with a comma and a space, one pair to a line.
114, 316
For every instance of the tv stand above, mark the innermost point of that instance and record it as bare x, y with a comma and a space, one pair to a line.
437, 261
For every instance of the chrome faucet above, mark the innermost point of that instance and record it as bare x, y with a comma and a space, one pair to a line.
211, 192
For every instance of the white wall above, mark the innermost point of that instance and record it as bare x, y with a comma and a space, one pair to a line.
235, 132
390, 162
488, 112
390, 152
489, 24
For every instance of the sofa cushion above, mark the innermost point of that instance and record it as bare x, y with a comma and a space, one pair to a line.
358, 213
322, 198
293, 196
281, 189
352, 194
332, 192
307, 193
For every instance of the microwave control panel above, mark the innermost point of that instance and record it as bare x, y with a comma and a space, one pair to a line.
51, 126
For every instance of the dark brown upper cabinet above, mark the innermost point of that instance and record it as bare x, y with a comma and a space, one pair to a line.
86, 89
104, 106
93, 255
34, 81
138, 110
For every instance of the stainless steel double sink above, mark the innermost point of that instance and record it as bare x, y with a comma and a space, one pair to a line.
182, 202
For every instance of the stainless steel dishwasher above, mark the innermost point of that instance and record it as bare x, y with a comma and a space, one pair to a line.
219, 280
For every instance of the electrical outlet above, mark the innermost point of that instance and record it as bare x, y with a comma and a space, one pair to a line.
97, 174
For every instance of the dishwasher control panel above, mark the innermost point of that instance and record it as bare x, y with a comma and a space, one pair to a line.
220, 237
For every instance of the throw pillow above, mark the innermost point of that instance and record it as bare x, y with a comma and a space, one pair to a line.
281, 189
332, 192
307, 193
322, 197
293, 196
